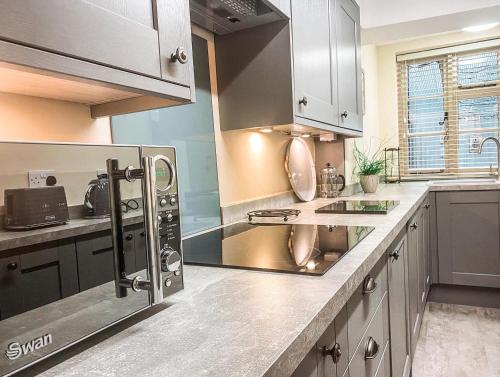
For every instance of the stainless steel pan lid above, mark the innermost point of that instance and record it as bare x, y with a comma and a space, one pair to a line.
299, 166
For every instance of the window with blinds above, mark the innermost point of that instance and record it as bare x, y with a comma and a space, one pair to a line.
448, 102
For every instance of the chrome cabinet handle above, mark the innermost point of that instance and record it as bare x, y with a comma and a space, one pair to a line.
344, 114
335, 352
303, 101
371, 349
12, 266
414, 226
180, 55
369, 285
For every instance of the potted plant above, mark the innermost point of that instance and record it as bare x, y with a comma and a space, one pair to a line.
368, 167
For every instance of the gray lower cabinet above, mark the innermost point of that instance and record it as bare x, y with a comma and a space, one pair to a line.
397, 268
370, 350
414, 279
357, 342
330, 356
347, 21
95, 256
468, 226
36, 276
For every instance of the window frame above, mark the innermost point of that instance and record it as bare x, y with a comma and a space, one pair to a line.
453, 92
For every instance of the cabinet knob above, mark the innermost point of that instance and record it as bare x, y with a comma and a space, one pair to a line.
180, 55
303, 101
371, 349
394, 255
129, 237
427, 206
414, 226
335, 352
369, 285
344, 114
12, 266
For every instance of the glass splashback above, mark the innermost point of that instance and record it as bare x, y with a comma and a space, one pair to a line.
190, 129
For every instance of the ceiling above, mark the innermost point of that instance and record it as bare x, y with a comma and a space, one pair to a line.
384, 21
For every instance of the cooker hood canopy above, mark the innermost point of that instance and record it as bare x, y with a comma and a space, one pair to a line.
228, 16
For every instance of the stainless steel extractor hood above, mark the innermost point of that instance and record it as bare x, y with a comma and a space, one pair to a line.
228, 16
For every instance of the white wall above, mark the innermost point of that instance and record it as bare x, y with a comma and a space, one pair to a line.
370, 141
250, 164
39, 119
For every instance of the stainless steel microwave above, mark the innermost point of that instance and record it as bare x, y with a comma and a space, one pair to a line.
60, 284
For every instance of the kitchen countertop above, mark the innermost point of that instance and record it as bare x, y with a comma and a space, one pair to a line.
246, 323
76, 227
473, 185
11, 239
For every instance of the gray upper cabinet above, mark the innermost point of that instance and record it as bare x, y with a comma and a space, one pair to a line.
469, 238
104, 50
174, 33
285, 74
347, 20
312, 66
96, 31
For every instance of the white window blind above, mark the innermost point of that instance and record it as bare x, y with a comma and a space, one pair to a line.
448, 103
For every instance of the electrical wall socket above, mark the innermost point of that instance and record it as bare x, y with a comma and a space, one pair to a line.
38, 178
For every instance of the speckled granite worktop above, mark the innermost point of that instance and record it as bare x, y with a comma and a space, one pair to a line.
75, 227
246, 323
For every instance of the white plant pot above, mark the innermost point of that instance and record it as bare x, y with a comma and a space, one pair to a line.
369, 183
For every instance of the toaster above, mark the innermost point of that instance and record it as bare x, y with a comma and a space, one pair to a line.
28, 208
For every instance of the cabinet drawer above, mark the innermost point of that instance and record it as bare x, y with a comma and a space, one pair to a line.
377, 334
362, 305
384, 368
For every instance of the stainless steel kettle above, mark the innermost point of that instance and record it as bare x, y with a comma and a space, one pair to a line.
96, 200
332, 183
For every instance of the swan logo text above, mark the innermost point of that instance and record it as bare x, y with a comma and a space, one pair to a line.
16, 349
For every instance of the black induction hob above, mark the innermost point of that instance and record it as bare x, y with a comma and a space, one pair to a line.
377, 207
297, 248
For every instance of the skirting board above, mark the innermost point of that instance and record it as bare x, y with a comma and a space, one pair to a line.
464, 295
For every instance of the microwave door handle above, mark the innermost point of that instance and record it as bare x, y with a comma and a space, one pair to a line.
115, 175
152, 225
116, 225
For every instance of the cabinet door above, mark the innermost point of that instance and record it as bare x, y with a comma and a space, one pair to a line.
141, 261
349, 65
309, 366
398, 309
174, 32
422, 260
10, 286
118, 33
314, 98
413, 281
333, 357
469, 238
426, 246
95, 258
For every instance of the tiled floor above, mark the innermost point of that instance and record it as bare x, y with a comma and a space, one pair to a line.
458, 341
